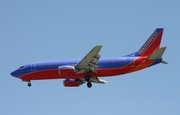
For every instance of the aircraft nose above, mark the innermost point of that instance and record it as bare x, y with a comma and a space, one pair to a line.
14, 74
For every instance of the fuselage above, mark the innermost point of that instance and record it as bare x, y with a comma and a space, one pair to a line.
105, 67
92, 66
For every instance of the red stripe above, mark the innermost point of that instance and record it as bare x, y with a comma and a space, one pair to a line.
140, 63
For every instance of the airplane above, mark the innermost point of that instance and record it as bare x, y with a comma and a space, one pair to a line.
91, 67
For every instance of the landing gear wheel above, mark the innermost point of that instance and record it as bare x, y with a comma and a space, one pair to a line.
89, 84
29, 84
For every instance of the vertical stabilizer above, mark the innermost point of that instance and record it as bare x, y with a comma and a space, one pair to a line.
152, 44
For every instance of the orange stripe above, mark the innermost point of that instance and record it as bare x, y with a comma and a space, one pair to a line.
143, 65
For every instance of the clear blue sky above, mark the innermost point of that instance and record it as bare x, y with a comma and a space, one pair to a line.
32, 30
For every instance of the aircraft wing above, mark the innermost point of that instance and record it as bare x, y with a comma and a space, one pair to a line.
94, 80
97, 80
89, 62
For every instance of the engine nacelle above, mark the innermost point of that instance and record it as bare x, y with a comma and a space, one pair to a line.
72, 83
66, 70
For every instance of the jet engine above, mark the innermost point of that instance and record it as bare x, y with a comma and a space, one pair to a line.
72, 82
66, 70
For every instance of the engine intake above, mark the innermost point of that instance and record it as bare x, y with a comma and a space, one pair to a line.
66, 69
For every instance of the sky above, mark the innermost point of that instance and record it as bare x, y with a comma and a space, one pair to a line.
39, 30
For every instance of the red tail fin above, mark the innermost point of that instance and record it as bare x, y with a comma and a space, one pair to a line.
152, 44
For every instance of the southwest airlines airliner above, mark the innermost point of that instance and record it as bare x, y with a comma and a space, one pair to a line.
91, 67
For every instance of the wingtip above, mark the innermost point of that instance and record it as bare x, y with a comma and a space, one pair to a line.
99, 45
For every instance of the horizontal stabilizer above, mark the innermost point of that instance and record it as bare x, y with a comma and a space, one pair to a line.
163, 62
158, 54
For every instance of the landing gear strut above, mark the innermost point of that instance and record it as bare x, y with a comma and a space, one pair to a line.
87, 78
29, 84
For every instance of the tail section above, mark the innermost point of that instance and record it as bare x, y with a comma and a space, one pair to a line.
158, 55
152, 44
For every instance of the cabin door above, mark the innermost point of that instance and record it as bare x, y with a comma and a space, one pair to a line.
132, 63
33, 67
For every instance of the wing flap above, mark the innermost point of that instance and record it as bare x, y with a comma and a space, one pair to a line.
95, 80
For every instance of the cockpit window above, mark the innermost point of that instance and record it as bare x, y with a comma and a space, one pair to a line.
21, 67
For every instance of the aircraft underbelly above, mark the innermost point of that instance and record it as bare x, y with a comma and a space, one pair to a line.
54, 74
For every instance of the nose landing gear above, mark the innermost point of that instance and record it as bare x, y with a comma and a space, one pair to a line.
29, 84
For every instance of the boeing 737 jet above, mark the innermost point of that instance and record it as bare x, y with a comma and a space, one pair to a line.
91, 67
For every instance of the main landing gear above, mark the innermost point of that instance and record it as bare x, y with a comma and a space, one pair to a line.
87, 78
89, 84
